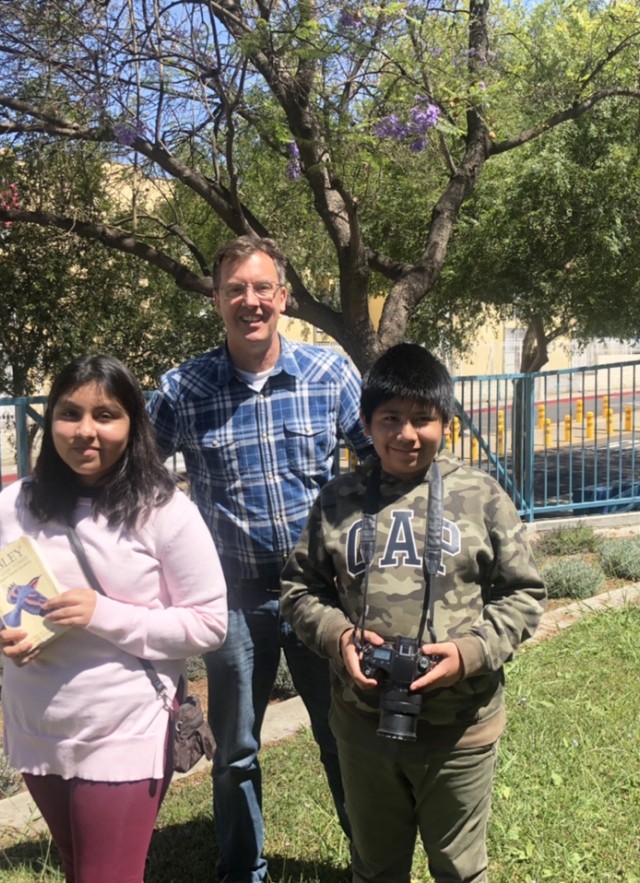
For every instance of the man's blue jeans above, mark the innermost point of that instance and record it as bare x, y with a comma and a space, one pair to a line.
241, 676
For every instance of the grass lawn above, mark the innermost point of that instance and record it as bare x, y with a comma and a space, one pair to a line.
566, 800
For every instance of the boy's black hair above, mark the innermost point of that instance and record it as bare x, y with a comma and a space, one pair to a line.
408, 371
139, 481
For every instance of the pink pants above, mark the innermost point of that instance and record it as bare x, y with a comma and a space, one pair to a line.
102, 829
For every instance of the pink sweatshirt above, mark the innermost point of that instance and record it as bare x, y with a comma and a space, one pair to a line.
85, 707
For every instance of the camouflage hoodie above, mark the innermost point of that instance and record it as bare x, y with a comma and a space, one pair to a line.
488, 593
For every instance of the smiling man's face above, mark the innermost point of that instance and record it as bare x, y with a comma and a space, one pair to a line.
250, 316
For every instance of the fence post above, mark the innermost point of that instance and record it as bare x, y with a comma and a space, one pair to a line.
528, 452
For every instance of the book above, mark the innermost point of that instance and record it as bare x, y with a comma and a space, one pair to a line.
26, 583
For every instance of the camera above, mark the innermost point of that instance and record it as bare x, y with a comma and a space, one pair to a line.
395, 665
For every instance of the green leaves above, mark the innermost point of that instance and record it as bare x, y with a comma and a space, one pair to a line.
221, 90
63, 296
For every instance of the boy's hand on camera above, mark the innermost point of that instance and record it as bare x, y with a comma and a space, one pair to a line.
74, 607
351, 655
447, 671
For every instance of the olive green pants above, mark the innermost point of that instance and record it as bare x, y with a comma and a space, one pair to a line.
392, 795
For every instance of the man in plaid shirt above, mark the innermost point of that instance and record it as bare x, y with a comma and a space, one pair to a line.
257, 421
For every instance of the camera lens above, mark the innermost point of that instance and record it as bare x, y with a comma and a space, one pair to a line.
397, 726
399, 710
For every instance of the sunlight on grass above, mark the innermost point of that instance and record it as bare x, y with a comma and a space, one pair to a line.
566, 800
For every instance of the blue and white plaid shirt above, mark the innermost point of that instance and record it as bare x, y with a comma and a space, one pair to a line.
256, 460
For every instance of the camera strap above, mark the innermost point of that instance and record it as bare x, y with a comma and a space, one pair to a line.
432, 543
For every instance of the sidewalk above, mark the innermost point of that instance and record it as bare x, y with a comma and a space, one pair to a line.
18, 814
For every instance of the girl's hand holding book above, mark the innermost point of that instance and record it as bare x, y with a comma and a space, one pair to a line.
74, 607
15, 645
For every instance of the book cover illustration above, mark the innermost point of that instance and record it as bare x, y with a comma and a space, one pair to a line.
26, 583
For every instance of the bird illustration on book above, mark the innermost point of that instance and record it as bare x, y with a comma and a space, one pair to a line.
26, 598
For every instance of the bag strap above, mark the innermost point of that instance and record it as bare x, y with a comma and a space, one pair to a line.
94, 582
432, 544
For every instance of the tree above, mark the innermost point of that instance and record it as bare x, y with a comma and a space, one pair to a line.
62, 296
551, 237
329, 105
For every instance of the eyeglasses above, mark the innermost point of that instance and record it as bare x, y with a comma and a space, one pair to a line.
264, 291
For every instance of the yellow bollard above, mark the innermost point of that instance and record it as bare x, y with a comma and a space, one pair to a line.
628, 418
591, 424
455, 430
605, 406
547, 433
501, 433
579, 411
541, 414
567, 427
610, 416
475, 450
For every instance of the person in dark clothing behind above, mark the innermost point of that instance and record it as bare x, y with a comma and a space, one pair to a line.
257, 421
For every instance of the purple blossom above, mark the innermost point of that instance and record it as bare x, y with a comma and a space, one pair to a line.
391, 127
126, 134
294, 169
348, 20
10, 199
424, 116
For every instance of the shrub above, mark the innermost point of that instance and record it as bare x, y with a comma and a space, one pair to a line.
621, 558
196, 669
283, 687
10, 779
572, 578
568, 541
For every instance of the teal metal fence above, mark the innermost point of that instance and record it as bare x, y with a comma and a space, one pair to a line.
20, 419
559, 442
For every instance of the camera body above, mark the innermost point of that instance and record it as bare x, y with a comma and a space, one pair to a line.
395, 665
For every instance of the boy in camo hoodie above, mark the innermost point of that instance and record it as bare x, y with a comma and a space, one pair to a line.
485, 599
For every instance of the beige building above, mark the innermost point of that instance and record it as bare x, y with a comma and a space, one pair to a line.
497, 348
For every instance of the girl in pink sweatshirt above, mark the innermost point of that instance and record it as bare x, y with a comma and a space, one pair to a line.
82, 721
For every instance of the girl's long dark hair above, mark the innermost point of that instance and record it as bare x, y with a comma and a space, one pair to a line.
138, 483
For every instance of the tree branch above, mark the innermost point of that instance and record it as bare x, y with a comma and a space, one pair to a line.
578, 109
119, 240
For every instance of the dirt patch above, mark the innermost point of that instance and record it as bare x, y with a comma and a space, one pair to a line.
199, 688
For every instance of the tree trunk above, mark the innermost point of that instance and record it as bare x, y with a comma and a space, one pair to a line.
534, 357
